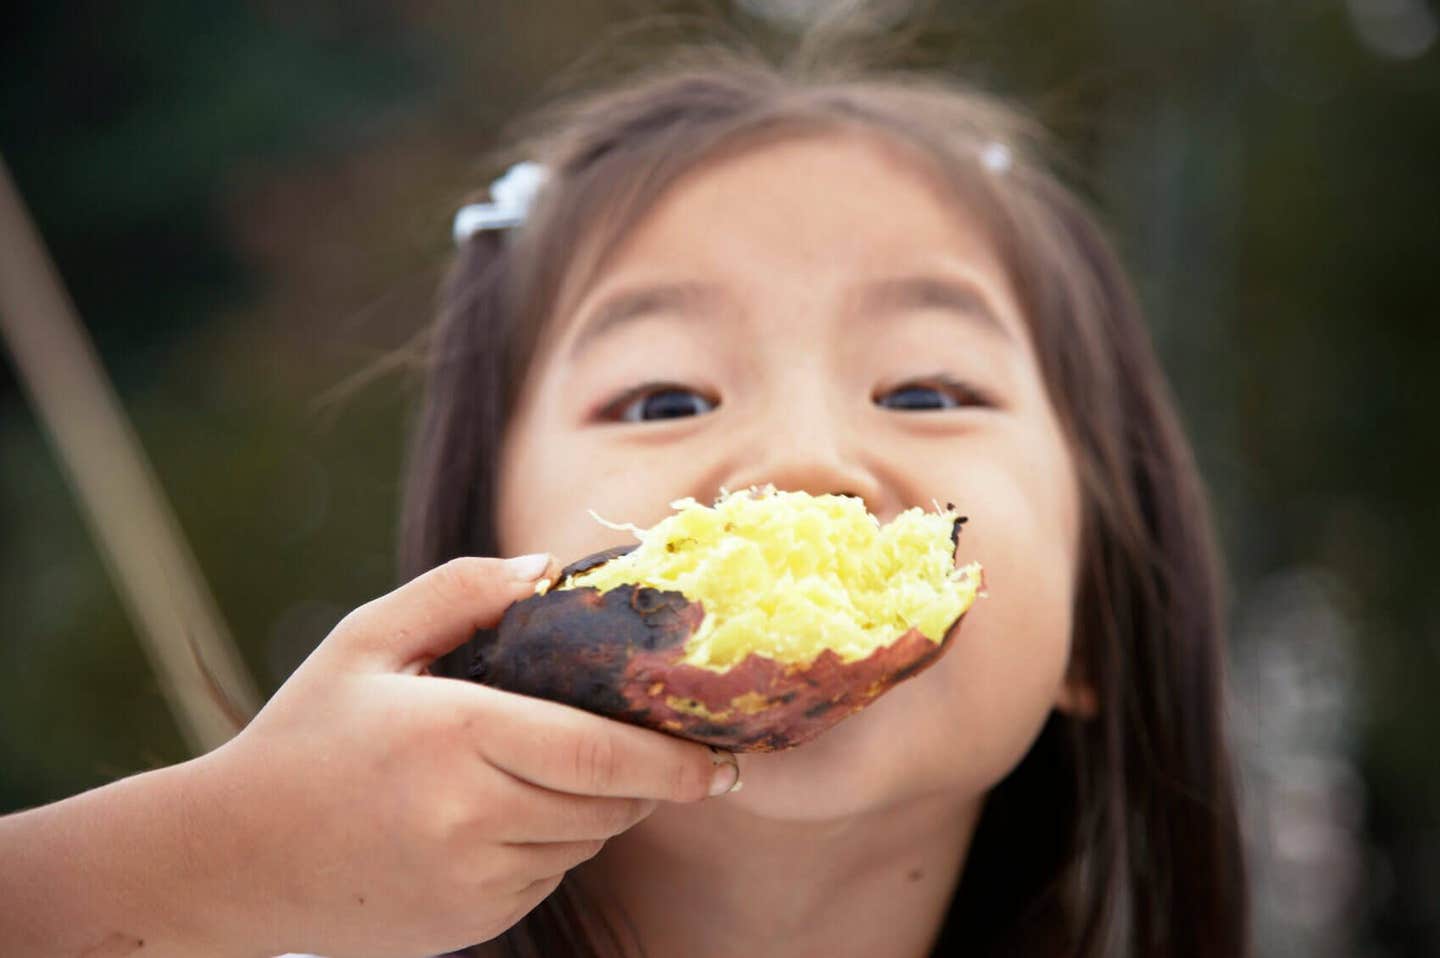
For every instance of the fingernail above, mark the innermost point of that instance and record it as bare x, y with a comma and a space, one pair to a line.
528, 568
727, 773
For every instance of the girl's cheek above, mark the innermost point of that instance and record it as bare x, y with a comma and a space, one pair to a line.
1023, 529
999, 682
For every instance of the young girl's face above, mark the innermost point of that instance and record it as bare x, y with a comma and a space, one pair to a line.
815, 314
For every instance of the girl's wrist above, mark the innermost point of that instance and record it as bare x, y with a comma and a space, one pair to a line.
214, 911
187, 890
113, 870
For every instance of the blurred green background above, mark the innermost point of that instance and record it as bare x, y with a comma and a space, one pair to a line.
250, 204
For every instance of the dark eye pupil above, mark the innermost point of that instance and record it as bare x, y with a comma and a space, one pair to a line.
672, 404
914, 397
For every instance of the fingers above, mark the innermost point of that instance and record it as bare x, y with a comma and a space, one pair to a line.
554, 858
417, 623
543, 816
566, 750
531, 895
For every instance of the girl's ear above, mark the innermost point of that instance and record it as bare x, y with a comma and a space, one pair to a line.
1076, 696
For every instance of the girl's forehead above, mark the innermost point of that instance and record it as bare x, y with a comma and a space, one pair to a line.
832, 191
830, 206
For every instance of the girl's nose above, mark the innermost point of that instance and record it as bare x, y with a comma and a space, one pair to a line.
807, 453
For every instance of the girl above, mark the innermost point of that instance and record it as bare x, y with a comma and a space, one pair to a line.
731, 276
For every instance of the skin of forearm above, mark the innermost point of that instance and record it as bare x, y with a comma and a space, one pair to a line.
109, 873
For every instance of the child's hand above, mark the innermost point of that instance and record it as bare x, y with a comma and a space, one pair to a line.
373, 809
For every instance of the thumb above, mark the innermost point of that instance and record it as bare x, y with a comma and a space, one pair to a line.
436, 612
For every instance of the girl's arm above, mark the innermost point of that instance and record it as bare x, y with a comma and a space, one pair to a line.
111, 872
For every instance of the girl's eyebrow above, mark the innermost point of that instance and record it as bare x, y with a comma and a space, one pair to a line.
691, 300
962, 297
682, 300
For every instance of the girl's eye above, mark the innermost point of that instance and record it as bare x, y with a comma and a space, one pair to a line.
659, 401
940, 392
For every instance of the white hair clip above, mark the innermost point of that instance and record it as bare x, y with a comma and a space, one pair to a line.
510, 195
996, 157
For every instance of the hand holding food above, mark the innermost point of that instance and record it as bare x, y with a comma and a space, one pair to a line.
372, 809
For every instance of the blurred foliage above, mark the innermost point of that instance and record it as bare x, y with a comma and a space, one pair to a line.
250, 202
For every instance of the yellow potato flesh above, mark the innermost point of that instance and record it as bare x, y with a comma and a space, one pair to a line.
788, 574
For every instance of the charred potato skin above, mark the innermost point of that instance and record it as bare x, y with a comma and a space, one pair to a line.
576, 646
618, 653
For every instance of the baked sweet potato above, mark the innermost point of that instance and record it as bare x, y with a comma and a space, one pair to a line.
751, 625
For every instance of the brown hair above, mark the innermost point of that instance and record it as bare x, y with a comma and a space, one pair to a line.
1114, 835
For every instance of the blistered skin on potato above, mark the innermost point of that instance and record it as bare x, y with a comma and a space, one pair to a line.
618, 654
575, 646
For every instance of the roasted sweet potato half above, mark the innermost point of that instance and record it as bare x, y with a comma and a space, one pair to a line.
751, 625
